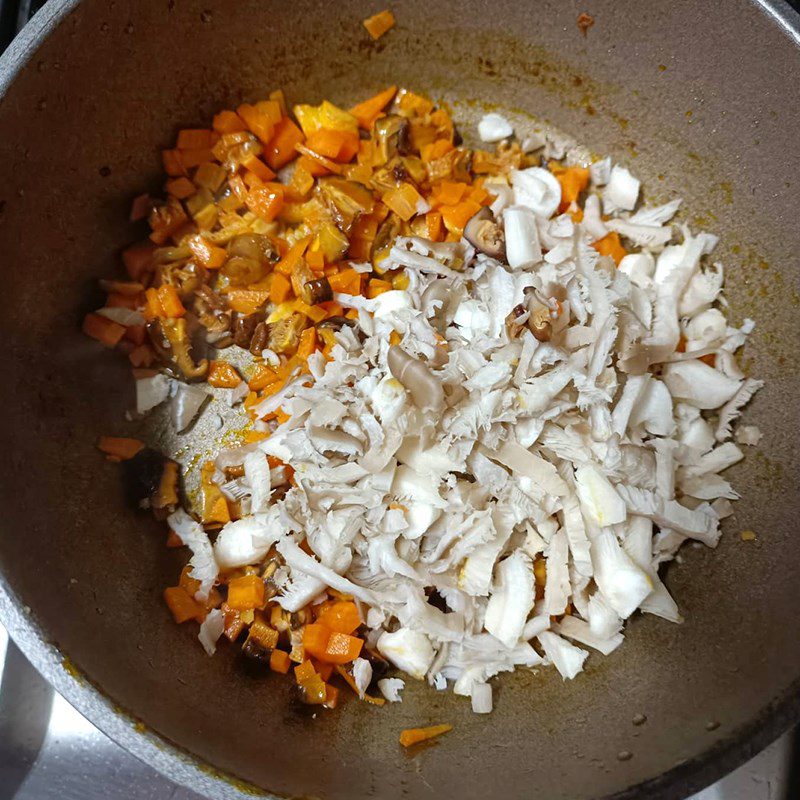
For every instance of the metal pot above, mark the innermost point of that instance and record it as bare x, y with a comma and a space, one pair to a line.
699, 100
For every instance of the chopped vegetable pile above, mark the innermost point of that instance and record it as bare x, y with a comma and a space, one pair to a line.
485, 393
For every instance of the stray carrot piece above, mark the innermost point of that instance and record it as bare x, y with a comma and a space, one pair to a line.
262, 377
576, 214
255, 436
281, 148
228, 122
379, 23
136, 334
246, 592
709, 358
120, 447
415, 735
182, 605
323, 670
180, 188
367, 112
395, 338
376, 287
610, 245
340, 617
288, 263
341, 648
223, 375
170, 301
279, 661
209, 255
103, 329
138, 259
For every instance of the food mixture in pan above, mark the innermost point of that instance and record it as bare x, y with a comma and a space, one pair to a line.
479, 395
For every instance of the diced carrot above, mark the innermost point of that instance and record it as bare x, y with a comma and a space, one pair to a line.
304, 672
405, 201
280, 289
265, 202
314, 313
379, 23
576, 214
341, 617
182, 605
257, 121
376, 287
415, 735
573, 181
302, 181
142, 355
456, 217
323, 670
246, 592
228, 122
331, 696
120, 447
238, 188
170, 301
315, 640
223, 375
247, 301
173, 163
136, 334
478, 195
312, 166
308, 342
180, 188
433, 220
338, 145
288, 263
103, 329
209, 255
279, 661
395, 338
138, 259
117, 300
195, 157
255, 165
348, 281
610, 245
316, 260
342, 648
449, 193
281, 148
210, 176
367, 112
262, 377
436, 149
320, 160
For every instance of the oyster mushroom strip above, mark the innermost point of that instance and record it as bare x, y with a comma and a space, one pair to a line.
170, 339
425, 388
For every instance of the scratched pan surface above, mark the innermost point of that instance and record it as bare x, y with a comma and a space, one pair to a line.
699, 102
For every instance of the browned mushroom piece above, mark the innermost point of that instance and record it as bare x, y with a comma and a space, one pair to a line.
483, 233
159, 341
244, 326
346, 200
316, 291
177, 334
336, 323
516, 320
151, 478
213, 315
255, 246
387, 232
391, 132
186, 277
539, 319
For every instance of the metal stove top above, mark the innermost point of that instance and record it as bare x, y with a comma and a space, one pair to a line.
48, 751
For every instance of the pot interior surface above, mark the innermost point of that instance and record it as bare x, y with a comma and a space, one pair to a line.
697, 103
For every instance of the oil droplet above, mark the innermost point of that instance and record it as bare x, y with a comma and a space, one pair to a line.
662, 67
624, 755
712, 726
639, 719
748, 536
